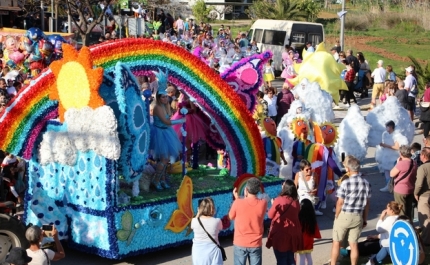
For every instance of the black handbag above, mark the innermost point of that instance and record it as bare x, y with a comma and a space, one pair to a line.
224, 256
425, 111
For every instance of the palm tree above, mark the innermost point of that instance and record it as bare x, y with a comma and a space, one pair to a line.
276, 9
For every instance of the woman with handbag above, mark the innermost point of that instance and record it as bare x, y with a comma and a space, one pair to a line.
206, 248
305, 181
285, 234
403, 175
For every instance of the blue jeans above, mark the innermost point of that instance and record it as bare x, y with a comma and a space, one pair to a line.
385, 251
284, 258
253, 255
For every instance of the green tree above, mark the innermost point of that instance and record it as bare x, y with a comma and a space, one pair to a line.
90, 13
311, 8
201, 11
276, 9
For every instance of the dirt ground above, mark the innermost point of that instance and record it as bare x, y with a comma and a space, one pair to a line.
360, 44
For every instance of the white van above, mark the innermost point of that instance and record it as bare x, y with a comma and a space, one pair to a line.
275, 34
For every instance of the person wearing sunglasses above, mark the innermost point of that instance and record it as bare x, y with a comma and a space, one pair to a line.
305, 181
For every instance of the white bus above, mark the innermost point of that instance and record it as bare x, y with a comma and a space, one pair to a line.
275, 34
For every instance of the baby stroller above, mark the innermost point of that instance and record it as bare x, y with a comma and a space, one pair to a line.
361, 84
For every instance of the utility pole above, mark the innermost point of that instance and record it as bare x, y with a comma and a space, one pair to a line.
342, 26
42, 16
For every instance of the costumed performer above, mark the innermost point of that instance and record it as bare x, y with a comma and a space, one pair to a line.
300, 128
297, 109
353, 135
325, 137
387, 151
268, 75
288, 72
317, 101
196, 127
272, 145
164, 144
262, 107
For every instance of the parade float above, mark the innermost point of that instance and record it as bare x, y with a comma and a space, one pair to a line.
83, 127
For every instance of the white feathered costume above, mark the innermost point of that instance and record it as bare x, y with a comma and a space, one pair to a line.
403, 133
318, 101
387, 157
353, 134
389, 110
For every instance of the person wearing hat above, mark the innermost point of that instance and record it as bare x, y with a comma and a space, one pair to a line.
378, 76
335, 54
18, 256
221, 33
411, 86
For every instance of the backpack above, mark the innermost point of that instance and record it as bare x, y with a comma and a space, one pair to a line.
414, 88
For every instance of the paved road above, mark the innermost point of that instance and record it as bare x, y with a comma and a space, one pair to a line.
321, 254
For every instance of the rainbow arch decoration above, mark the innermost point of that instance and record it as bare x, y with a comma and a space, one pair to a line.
26, 116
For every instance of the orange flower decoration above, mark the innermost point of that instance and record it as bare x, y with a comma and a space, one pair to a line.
181, 217
77, 83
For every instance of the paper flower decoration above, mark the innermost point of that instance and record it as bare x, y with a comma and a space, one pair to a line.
77, 83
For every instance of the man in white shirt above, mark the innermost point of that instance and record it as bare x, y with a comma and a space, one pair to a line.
411, 86
378, 75
335, 54
309, 47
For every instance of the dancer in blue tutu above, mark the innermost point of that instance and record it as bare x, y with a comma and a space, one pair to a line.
165, 144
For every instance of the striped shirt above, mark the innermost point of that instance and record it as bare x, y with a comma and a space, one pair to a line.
355, 191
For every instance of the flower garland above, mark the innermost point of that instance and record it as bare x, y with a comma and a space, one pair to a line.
200, 82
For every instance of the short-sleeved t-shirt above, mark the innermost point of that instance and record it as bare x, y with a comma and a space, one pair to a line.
407, 184
248, 215
402, 96
212, 225
39, 258
410, 83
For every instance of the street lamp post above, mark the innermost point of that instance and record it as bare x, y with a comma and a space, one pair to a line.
42, 16
342, 26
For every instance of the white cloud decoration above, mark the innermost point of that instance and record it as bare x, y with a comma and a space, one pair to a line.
87, 129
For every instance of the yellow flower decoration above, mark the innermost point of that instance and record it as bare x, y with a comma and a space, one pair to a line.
77, 83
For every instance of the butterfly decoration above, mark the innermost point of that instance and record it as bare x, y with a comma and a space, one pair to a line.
126, 233
181, 217
245, 77
133, 123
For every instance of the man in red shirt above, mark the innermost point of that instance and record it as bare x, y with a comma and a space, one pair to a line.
248, 215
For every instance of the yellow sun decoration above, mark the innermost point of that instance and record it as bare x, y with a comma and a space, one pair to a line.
77, 83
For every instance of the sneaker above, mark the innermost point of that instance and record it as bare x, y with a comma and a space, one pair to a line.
337, 107
318, 213
323, 205
384, 189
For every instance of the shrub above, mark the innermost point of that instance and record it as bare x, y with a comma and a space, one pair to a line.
358, 21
